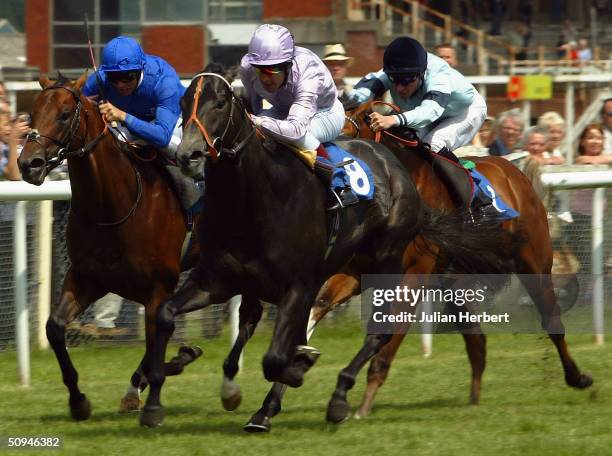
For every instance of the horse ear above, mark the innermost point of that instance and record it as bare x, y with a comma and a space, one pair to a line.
81, 81
44, 81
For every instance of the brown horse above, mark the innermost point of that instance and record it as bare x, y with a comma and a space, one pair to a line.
534, 258
125, 229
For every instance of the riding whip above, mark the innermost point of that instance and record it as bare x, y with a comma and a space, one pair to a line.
95, 67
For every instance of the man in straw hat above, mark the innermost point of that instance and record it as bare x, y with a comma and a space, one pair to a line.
338, 62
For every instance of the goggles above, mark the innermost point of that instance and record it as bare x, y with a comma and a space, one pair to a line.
122, 76
403, 79
270, 70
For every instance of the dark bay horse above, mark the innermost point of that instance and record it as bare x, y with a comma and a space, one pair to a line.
125, 229
265, 225
533, 258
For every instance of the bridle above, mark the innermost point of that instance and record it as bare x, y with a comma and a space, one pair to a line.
63, 151
215, 148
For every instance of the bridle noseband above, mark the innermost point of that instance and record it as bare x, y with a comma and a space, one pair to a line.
63, 153
215, 148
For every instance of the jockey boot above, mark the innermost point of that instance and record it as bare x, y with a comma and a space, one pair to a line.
343, 197
447, 153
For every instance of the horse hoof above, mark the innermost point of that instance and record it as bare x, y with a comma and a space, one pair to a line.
193, 352
583, 381
338, 411
130, 403
152, 416
80, 408
258, 423
359, 414
231, 403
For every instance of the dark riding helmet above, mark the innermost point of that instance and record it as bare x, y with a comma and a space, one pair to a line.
404, 56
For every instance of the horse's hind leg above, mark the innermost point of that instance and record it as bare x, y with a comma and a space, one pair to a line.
540, 288
76, 297
475, 345
250, 314
377, 374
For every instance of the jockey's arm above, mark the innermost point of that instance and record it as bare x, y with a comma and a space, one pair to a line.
373, 85
159, 131
438, 89
301, 112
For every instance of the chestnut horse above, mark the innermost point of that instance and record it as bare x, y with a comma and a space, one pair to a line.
125, 229
534, 258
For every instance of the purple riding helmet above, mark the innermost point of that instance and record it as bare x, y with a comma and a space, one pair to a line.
271, 44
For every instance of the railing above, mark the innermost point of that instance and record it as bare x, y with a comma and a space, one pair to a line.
490, 53
20, 191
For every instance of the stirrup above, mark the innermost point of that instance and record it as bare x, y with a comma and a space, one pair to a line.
344, 198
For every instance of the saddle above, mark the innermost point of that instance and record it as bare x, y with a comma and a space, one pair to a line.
188, 191
455, 176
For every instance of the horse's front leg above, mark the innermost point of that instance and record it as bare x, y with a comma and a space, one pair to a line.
195, 293
76, 297
286, 360
131, 402
250, 314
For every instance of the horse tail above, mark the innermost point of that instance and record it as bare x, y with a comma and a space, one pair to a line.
531, 169
472, 242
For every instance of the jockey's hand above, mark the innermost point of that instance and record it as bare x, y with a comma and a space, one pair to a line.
111, 113
256, 120
380, 122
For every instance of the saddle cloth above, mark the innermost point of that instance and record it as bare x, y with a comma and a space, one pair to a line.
356, 175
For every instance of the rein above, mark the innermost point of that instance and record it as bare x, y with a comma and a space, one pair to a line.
215, 146
378, 134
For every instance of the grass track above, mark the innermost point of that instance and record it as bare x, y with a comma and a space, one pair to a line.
422, 410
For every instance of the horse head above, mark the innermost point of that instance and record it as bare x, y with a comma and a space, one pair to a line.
211, 120
56, 124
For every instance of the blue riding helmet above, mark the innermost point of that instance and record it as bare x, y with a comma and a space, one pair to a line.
122, 54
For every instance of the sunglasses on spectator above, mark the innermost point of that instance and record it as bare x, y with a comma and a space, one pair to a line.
403, 79
609, 113
122, 76
270, 70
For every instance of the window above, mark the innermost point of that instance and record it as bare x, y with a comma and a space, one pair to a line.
176, 10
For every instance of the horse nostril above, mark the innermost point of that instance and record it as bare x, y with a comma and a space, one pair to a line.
196, 155
36, 163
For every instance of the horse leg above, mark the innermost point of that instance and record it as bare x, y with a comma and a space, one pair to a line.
76, 297
476, 347
338, 408
250, 314
186, 355
542, 292
286, 361
338, 289
377, 374
190, 296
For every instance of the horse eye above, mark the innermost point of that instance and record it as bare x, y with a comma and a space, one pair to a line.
220, 104
64, 116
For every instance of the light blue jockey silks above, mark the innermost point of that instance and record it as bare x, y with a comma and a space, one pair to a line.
309, 89
444, 93
153, 108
